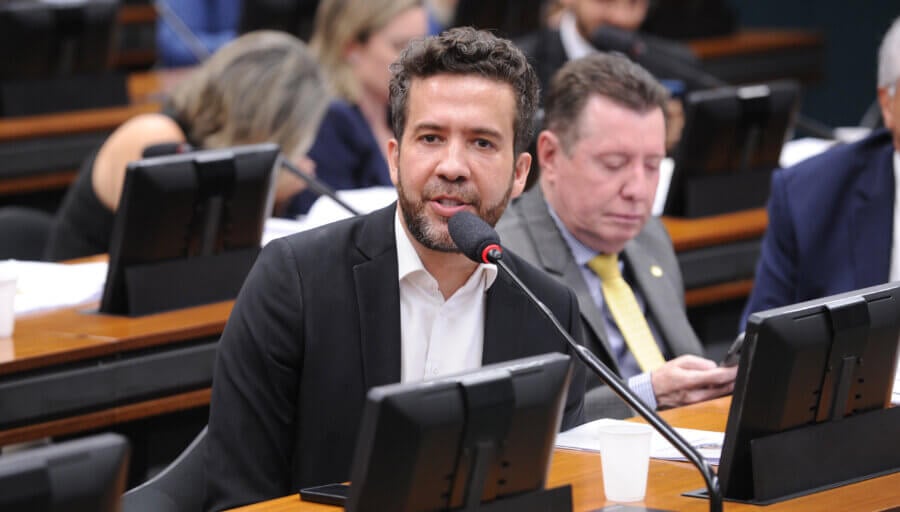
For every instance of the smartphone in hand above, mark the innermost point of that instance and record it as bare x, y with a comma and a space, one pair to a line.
734, 352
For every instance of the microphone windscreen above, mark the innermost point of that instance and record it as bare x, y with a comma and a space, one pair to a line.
472, 235
613, 39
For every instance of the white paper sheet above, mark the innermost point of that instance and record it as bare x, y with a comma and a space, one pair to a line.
584, 437
42, 286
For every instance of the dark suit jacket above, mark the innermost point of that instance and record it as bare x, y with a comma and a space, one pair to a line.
546, 53
528, 229
316, 325
831, 222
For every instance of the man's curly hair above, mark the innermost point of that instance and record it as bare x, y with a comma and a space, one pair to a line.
466, 51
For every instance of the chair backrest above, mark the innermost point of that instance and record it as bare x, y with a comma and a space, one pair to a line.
180, 487
23, 232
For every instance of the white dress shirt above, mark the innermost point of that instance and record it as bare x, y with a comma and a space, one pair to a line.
575, 45
438, 337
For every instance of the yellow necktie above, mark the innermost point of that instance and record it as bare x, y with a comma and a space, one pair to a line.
625, 311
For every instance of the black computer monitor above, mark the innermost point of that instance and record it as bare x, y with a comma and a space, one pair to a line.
486, 435
730, 145
84, 475
58, 55
506, 18
188, 228
815, 364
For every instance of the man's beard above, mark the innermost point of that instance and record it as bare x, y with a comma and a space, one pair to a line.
437, 237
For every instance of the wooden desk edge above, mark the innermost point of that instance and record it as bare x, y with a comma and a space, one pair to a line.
106, 417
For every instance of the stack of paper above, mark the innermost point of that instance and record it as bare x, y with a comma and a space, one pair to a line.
42, 286
585, 437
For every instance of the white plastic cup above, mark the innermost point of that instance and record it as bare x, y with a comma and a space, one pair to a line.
625, 457
8, 279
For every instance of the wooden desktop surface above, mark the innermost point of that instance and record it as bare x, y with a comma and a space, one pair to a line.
754, 40
667, 480
78, 335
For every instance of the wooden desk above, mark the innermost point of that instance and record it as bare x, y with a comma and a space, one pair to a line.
701, 233
759, 54
105, 355
42, 153
667, 480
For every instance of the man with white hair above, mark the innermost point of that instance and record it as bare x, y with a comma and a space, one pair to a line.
833, 218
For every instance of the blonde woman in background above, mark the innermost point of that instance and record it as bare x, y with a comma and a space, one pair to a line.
356, 41
262, 87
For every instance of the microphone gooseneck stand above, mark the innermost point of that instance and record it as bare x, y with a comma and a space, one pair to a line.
613, 381
318, 187
480, 243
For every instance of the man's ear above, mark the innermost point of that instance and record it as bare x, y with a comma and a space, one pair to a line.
549, 149
521, 170
393, 154
887, 113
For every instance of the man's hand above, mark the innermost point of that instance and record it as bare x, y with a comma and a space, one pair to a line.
688, 379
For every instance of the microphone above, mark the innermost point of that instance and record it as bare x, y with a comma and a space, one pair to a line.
666, 62
480, 242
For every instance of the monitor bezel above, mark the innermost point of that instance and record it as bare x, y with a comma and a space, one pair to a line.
731, 142
520, 427
81, 475
776, 393
165, 222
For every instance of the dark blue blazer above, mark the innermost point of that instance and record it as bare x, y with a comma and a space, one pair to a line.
346, 154
831, 221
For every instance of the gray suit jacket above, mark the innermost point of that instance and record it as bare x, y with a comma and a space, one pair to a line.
528, 229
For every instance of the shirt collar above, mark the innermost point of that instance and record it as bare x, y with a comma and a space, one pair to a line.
582, 253
573, 42
409, 263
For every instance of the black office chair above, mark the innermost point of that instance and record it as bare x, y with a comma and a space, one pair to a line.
181, 487
23, 232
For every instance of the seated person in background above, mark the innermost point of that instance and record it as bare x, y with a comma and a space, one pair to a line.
188, 32
548, 49
262, 87
355, 42
440, 15
588, 224
327, 314
833, 218
293, 16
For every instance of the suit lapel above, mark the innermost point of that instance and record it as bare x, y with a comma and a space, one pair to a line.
872, 219
504, 308
378, 298
660, 299
555, 259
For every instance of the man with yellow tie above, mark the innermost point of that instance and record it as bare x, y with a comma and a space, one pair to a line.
588, 223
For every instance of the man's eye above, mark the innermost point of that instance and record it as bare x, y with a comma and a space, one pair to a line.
429, 138
484, 143
614, 163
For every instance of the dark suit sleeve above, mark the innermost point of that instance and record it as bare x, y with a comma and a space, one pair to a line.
776, 272
253, 407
